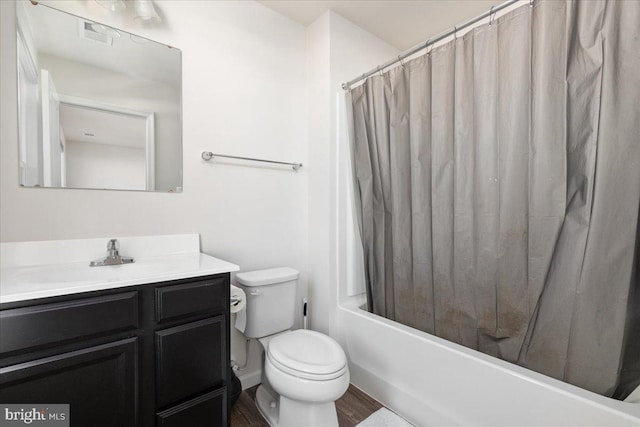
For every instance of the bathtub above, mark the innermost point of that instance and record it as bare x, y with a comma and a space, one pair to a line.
431, 381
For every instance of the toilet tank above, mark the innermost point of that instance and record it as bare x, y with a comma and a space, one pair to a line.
271, 297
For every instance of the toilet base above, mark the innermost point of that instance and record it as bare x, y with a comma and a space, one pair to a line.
294, 413
283, 412
267, 405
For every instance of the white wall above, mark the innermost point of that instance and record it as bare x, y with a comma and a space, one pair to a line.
338, 50
243, 94
91, 165
319, 99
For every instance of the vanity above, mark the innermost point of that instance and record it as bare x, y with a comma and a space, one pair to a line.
140, 344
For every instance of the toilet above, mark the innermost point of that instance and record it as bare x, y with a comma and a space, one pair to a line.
305, 371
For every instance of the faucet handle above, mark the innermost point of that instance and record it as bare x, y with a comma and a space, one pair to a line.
113, 246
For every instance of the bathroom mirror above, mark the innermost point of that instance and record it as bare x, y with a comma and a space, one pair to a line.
98, 107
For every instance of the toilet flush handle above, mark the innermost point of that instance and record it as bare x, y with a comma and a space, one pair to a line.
255, 292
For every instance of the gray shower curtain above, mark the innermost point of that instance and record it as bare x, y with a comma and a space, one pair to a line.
498, 190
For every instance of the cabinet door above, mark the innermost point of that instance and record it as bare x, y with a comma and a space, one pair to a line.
191, 358
99, 383
208, 410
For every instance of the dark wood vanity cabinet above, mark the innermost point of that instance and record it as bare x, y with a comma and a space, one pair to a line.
149, 355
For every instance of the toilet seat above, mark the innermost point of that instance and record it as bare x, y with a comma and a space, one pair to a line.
307, 354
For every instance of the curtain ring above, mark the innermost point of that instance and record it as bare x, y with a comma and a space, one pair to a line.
430, 49
401, 61
491, 16
379, 71
531, 3
455, 33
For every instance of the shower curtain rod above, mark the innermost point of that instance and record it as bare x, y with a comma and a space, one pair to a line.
429, 42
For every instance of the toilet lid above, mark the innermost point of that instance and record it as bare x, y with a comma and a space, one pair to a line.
307, 354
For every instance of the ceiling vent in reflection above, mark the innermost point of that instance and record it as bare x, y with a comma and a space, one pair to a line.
97, 32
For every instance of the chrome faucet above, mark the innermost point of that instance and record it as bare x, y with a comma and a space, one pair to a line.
113, 256
112, 249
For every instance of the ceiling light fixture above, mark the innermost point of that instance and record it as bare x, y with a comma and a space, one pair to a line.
112, 5
145, 12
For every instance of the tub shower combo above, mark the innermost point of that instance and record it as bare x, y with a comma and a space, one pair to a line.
496, 186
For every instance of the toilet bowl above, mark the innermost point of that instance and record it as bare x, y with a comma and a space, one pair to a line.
305, 371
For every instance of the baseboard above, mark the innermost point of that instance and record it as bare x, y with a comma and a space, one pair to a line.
249, 379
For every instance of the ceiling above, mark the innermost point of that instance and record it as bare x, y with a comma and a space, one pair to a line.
401, 23
102, 127
60, 34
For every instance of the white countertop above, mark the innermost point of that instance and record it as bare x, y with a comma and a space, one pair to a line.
24, 276
32, 282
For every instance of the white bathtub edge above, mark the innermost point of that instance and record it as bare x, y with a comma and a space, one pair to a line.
619, 411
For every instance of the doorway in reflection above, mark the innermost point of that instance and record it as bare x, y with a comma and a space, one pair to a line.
105, 149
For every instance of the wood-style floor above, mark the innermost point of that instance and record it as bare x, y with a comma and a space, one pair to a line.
352, 408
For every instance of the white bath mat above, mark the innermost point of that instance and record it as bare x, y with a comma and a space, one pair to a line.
384, 418
634, 397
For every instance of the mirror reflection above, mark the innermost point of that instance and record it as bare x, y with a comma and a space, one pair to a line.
98, 107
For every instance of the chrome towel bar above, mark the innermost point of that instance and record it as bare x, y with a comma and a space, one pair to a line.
208, 155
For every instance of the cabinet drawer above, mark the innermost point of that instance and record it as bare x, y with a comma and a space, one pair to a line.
208, 410
98, 383
47, 324
190, 359
189, 299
